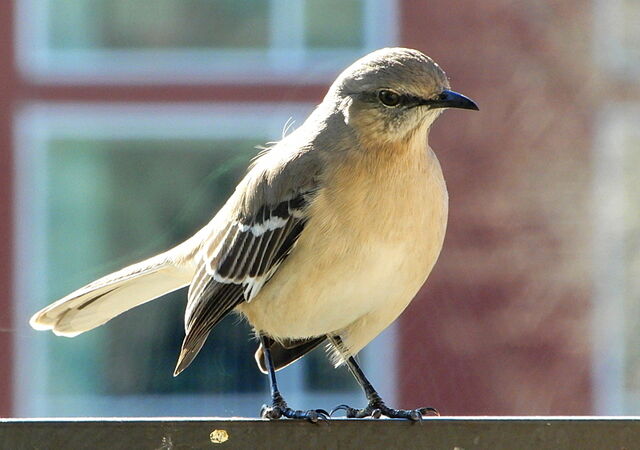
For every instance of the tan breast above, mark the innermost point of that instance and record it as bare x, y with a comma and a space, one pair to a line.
372, 239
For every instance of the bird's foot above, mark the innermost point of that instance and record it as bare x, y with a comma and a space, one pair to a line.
378, 409
280, 409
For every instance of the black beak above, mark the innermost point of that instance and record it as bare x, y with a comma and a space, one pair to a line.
450, 99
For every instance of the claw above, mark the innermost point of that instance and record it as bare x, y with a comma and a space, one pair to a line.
343, 407
428, 411
376, 413
323, 416
313, 415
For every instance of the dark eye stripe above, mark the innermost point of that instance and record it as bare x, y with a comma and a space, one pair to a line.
406, 100
411, 100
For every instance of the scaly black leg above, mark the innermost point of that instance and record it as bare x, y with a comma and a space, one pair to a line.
376, 407
279, 407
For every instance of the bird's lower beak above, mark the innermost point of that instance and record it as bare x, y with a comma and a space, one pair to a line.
451, 99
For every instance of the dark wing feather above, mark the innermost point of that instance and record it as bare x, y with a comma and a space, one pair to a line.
235, 271
285, 353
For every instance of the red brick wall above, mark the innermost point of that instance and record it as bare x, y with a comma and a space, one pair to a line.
502, 326
7, 89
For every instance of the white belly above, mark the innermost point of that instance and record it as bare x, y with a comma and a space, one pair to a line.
362, 251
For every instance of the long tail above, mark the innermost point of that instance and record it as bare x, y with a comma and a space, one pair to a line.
110, 296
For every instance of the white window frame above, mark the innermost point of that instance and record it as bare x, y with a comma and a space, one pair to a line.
285, 60
609, 48
37, 124
616, 123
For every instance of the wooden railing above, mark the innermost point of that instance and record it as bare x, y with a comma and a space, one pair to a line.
451, 433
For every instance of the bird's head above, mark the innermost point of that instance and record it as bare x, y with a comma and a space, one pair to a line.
390, 93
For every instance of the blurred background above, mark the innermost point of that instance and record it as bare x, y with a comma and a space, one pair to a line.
125, 125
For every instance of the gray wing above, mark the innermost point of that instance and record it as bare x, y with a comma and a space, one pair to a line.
235, 270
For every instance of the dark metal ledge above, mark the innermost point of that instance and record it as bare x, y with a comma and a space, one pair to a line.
451, 433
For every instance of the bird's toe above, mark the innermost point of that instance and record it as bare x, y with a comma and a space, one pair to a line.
376, 410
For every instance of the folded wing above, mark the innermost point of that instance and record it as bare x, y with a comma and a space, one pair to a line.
234, 269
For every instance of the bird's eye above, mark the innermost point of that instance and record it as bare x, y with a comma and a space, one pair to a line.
389, 98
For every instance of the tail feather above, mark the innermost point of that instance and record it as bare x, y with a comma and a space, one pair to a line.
110, 296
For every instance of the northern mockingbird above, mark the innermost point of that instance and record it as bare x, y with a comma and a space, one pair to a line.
327, 238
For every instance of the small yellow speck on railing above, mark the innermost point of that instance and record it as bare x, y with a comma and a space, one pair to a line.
219, 436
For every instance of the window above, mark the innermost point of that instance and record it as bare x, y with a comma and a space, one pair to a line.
617, 255
618, 36
99, 187
120, 41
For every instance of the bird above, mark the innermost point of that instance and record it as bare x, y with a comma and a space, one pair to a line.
326, 240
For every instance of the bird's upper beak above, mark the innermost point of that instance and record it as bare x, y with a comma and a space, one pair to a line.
451, 99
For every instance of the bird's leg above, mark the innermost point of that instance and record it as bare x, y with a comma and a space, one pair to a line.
278, 406
376, 407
